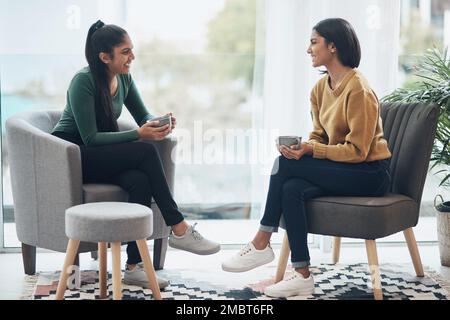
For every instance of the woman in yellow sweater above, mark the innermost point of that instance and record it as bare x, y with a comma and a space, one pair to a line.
346, 155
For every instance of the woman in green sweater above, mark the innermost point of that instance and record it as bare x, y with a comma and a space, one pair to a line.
346, 155
94, 102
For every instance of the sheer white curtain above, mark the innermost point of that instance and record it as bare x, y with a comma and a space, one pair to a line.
282, 105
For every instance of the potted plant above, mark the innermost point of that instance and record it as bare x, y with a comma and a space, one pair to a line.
433, 86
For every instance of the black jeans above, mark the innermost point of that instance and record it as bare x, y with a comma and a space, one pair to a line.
293, 182
137, 168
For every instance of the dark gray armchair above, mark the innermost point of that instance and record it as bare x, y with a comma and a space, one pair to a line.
410, 130
46, 180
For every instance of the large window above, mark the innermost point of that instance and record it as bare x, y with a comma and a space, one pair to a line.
193, 58
196, 59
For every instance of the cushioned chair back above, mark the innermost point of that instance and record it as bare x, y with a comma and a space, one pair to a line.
409, 129
43, 120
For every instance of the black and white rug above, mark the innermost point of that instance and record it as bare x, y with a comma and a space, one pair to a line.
332, 282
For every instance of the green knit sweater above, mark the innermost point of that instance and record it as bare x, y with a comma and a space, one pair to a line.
78, 118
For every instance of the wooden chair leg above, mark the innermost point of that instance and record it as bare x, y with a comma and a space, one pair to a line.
149, 270
336, 249
117, 274
414, 251
76, 262
102, 274
71, 252
94, 255
374, 268
29, 258
159, 252
282, 262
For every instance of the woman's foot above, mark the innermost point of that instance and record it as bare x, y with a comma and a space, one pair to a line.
193, 241
295, 285
248, 258
135, 275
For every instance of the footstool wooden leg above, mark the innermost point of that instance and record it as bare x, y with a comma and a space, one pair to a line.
102, 274
149, 270
71, 252
283, 260
117, 275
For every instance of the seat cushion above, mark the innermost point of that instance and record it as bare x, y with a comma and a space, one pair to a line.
109, 222
96, 192
361, 217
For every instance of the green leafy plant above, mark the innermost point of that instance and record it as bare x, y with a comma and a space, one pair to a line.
433, 86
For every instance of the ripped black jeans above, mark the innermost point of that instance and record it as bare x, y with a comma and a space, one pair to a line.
293, 182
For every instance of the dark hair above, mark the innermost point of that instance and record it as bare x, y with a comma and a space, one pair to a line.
102, 38
339, 32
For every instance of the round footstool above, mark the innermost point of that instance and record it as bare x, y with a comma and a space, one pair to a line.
109, 222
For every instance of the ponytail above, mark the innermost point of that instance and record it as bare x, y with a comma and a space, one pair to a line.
102, 38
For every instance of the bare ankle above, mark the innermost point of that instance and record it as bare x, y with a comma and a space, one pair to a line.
304, 272
261, 240
131, 267
259, 245
180, 229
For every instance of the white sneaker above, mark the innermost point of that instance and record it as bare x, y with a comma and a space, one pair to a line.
194, 242
294, 285
138, 277
248, 258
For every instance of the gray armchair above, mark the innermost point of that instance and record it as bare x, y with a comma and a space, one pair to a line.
46, 180
410, 130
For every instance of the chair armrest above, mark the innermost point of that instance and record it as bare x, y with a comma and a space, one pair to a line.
46, 179
125, 125
59, 179
166, 150
58, 164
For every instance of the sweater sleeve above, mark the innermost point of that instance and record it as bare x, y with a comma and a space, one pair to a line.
81, 96
135, 105
318, 133
362, 114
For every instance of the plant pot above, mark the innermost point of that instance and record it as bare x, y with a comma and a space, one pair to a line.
443, 229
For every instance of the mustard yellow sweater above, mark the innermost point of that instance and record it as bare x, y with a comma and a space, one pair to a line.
346, 121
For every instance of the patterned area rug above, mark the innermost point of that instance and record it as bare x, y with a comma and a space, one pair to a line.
332, 282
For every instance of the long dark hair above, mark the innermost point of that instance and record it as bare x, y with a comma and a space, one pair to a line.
341, 33
102, 38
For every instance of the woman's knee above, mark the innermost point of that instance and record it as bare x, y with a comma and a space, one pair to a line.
295, 188
291, 186
279, 165
147, 148
298, 189
134, 179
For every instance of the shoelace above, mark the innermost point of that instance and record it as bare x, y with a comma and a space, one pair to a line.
140, 265
195, 233
137, 267
245, 250
292, 276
